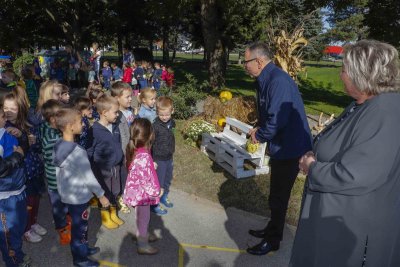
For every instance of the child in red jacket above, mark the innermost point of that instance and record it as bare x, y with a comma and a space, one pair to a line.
170, 77
128, 73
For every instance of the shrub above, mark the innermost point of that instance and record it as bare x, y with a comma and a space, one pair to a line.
194, 130
21, 61
185, 97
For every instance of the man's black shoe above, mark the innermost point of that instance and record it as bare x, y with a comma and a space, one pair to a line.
258, 233
262, 248
93, 250
88, 263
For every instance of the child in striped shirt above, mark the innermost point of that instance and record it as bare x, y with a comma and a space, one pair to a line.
50, 135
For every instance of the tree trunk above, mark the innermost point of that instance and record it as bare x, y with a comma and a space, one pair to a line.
214, 44
119, 44
165, 44
174, 47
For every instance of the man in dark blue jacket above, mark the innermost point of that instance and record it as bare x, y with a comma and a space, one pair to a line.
283, 124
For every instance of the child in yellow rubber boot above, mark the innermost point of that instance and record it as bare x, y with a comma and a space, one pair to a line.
106, 156
123, 94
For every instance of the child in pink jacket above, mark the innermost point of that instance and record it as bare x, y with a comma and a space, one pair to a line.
142, 188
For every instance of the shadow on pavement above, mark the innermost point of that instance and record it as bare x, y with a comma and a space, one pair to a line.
167, 244
235, 193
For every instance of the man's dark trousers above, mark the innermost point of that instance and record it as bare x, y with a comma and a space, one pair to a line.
283, 175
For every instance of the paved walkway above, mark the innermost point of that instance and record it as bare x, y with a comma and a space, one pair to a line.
196, 232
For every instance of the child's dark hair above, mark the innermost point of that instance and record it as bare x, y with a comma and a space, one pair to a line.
64, 89
94, 94
82, 103
66, 116
26, 73
141, 132
50, 108
118, 88
106, 63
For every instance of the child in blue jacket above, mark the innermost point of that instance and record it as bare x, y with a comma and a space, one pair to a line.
106, 156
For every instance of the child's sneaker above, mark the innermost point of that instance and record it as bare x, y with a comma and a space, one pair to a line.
94, 202
27, 262
147, 250
32, 237
65, 235
40, 230
159, 210
122, 206
165, 201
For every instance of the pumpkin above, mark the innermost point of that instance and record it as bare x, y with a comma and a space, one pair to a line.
222, 122
225, 95
250, 147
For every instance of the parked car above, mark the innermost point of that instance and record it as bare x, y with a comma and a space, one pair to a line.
194, 51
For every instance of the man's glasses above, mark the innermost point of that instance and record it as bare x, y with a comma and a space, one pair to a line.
247, 61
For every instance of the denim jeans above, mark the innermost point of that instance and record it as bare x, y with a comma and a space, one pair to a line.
13, 216
165, 170
79, 244
58, 209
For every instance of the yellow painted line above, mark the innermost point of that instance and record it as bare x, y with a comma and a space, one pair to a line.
213, 248
181, 256
110, 264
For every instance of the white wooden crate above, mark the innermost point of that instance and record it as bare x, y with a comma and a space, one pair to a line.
228, 149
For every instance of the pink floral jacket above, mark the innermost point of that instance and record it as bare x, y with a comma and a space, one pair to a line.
142, 187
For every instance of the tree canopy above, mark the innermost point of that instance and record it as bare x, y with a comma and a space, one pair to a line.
218, 26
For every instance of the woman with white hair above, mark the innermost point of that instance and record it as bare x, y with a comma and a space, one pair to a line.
351, 204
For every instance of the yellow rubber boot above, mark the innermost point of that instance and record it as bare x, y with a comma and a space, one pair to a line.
106, 219
114, 216
94, 202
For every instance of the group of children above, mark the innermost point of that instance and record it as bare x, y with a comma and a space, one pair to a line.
96, 146
139, 75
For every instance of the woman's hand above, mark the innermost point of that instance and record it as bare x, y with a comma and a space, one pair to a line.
14, 131
305, 162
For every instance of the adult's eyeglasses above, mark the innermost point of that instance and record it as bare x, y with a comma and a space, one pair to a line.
247, 61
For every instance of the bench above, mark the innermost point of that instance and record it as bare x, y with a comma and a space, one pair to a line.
228, 149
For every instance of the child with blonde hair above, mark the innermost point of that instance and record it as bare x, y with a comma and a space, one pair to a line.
147, 99
49, 90
163, 149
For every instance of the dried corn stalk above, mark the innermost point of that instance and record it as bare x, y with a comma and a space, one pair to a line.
288, 51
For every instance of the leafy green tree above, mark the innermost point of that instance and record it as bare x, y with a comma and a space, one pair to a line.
346, 19
383, 21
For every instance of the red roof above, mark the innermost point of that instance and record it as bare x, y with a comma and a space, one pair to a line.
333, 50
